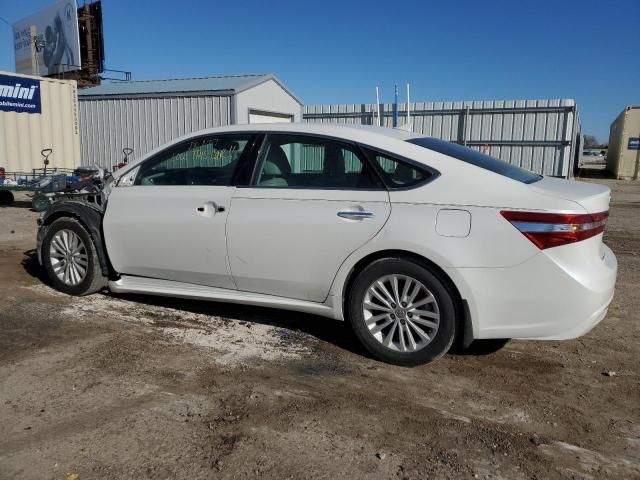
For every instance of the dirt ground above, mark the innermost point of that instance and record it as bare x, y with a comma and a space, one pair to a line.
119, 387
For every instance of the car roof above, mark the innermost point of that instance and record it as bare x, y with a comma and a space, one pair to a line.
329, 129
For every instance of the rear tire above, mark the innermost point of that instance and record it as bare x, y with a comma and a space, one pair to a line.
70, 258
400, 326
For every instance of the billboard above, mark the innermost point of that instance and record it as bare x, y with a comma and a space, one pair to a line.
48, 41
19, 94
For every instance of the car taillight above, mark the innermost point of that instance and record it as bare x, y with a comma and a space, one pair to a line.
548, 230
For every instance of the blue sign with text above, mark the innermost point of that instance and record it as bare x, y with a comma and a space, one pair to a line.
634, 143
19, 94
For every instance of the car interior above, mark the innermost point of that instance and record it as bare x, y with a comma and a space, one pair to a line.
285, 163
206, 163
328, 170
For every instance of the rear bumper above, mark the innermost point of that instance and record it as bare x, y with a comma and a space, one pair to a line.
559, 294
581, 328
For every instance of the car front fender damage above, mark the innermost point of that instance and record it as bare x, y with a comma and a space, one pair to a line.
87, 214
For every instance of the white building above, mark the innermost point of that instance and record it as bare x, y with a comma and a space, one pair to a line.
143, 115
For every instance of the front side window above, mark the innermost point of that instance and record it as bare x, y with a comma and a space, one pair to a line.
208, 160
298, 161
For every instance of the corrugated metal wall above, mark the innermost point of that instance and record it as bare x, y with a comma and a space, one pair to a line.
107, 125
24, 135
538, 135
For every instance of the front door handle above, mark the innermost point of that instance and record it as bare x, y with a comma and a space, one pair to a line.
356, 214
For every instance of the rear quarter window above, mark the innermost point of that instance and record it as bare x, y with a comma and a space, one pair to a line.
397, 173
473, 157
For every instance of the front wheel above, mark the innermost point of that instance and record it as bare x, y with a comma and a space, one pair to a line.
402, 312
70, 258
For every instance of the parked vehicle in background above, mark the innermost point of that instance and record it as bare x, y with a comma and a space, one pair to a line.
416, 242
593, 159
593, 153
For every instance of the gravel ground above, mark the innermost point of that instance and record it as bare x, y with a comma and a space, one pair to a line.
141, 387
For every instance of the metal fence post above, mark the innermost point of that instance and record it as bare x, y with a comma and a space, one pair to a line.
462, 126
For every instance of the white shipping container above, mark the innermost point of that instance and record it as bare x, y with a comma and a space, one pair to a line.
24, 135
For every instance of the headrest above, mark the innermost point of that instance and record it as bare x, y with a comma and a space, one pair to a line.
278, 158
271, 168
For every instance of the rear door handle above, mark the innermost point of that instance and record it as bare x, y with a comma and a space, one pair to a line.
210, 208
355, 214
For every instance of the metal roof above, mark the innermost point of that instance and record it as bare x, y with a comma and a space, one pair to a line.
225, 84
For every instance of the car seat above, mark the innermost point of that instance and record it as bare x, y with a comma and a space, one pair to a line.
276, 168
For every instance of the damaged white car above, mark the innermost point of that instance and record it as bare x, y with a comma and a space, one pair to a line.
416, 242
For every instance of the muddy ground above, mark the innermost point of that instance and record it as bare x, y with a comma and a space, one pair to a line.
110, 387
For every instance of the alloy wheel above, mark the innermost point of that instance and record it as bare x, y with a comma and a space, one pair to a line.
69, 257
401, 313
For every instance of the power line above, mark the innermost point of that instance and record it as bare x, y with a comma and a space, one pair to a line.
6, 22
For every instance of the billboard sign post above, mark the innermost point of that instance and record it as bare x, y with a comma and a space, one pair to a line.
55, 29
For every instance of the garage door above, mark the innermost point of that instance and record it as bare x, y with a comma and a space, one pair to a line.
268, 117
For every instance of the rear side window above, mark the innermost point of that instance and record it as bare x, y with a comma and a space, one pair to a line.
476, 158
301, 161
396, 173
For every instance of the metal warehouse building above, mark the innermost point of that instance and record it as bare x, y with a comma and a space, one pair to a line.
539, 135
143, 115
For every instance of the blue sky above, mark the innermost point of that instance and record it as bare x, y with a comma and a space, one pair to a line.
337, 51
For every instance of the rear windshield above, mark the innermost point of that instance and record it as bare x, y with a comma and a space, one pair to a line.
476, 158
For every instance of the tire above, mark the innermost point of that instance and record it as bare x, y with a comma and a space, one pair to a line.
440, 306
6, 197
68, 231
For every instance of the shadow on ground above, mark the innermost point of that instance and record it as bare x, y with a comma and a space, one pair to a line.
33, 268
327, 330
18, 204
586, 172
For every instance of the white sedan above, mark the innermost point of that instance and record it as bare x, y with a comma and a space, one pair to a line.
416, 242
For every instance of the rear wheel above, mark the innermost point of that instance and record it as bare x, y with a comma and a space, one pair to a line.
402, 312
70, 258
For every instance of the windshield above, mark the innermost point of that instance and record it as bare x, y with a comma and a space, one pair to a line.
476, 158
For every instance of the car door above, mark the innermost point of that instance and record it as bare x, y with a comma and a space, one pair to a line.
167, 219
312, 202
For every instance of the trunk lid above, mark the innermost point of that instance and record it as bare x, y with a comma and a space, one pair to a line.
593, 197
